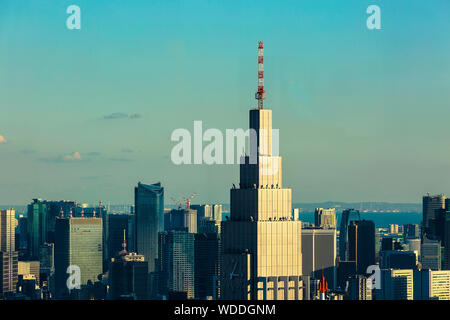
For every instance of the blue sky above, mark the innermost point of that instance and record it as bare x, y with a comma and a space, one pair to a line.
86, 114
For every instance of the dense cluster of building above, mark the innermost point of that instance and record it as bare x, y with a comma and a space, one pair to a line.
260, 251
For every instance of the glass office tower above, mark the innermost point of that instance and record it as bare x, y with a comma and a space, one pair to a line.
149, 220
79, 243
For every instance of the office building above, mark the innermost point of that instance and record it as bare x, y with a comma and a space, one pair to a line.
37, 227
325, 218
393, 228
432, 285
217, 216
361, 244
319, 254
177, 263
128, 276
395, 259
203, 210
149, 220
55, 209
396, 285
345, 270
117, 223
414, 245
359, 288
446, 237
411, 231
78, 241
181, 219
432, 205
29, 268
8, 255
21, 234
347, 216
261, 244
387, 244
430, 254
206, 261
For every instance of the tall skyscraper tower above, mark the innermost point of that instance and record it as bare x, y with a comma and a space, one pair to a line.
325, 218
78, 241
261, 243
347, 216
177, 263
37, 226
8, 255
432, 205
149, 220
361, 244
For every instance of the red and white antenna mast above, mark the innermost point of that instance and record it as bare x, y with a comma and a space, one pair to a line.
261, 93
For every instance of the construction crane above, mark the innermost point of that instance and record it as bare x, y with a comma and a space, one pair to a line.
179, 205
261, 93
188, 200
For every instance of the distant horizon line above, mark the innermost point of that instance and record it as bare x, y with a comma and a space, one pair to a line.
227, 203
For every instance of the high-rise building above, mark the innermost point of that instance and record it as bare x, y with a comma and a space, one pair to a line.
37, 226
181, 219
411, 231
319, 254
325, 218
204, 213
396, 285
217, 216
53, 210
345, 270
149, 220
358, 288
8, 224
395, 259
446, 237
393, 228
414, 246
8, 255
206, 271
29, 268
361, 244
347, 216
430, 254
177, 263
387, 244
78, 242
431, 285
128, 277
260, 241
432, 205
117, 223
21, 233
203, 210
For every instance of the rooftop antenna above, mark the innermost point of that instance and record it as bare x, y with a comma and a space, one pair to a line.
124, 243
123, 253
261, 93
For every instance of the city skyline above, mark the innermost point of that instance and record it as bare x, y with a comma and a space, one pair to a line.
213, 219
111, 96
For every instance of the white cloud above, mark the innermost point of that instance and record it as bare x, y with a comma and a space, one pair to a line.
3, 139
74, 156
